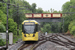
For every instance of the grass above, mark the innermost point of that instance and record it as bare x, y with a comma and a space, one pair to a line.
16, 38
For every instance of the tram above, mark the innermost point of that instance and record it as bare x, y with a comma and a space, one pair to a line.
30, 30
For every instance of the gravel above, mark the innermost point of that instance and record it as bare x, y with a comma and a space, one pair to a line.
51, 46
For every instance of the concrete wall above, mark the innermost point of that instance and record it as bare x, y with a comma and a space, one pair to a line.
2, 35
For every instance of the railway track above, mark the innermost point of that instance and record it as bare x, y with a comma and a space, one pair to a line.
55, 38
36, 45
33, 46
24, 46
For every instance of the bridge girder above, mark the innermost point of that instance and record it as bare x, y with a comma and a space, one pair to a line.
46, 19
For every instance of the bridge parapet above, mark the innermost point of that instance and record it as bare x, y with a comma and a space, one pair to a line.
44, 17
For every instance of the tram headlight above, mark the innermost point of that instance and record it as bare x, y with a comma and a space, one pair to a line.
25, 35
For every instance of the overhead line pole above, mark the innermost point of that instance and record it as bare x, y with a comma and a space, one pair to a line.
17, 19
63, 25
7, 26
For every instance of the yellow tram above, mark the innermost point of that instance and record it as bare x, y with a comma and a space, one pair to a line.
30, 30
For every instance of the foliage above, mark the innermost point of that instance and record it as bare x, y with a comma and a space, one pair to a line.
2, 27
68, 8
72, 23
46, 28
3, 17
56, 27
2, 21
67, 20
46, 11
16, 38
2, 7
72, 31
33, 7
12, 26
39, 10
71, 27
2, 43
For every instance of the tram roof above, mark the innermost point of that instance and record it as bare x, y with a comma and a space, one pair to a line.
31, 21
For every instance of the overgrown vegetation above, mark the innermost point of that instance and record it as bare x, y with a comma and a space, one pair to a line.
17, 38
2, 43
69, 23
71, 27
2, 27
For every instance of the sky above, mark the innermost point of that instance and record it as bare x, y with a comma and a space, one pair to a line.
48, 4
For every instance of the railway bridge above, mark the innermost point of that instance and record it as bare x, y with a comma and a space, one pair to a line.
44, 17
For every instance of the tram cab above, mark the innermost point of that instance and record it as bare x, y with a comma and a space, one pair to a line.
30, 30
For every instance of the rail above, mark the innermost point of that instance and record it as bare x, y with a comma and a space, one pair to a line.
55, 38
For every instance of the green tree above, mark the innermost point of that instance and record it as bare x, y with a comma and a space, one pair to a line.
39, 10
67, 20
72, 31
33, 8
46, 28
46, 12
71, 27
72, 23
66, 8
2, 27
12, 26
19, 12
3, 17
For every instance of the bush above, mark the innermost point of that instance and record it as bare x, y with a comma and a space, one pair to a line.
12, 26
46, 28
72, 23
2, 27
72, 27
2, 43
72, 31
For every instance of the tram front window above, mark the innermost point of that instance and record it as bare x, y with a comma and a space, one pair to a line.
29, 28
